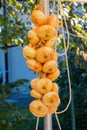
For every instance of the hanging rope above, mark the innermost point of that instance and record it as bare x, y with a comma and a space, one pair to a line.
37, 123
61, 13
57, 119
68, 73
53, 6
78, 36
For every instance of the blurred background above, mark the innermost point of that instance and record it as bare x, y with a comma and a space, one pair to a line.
15, 76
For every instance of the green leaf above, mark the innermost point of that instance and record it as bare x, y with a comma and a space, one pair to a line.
10, 15
10, 2
37, 1
77, 51
77, 18
3, 96
18, 6
9, 128
76, 62
85, 42
63, 64
30, 1
77, 28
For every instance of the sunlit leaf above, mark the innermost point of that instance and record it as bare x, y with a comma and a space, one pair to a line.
30, 1
18, 6
76, 16
77, 51
10, 15
60, 36
10, 2
8, 44
79, 34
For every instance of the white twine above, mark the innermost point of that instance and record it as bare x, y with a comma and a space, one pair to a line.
68, 73
53, 6
61, 12
37, 123
57, 119
77, 36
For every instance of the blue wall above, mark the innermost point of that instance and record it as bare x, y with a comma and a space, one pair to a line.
17, 68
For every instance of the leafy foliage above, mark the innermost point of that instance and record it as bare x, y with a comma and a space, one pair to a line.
15, 22
10, 114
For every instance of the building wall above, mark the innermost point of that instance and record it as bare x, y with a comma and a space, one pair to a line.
17, 68
2, 65
17, 65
